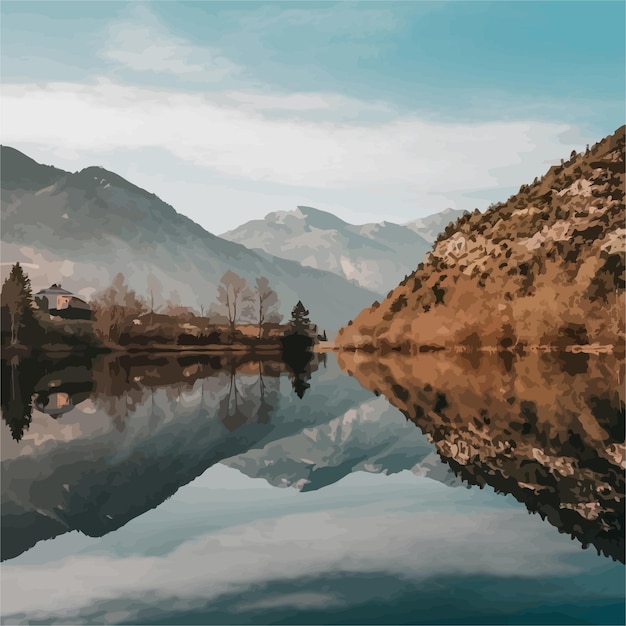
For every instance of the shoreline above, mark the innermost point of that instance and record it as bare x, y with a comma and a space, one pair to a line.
415, 349
20, 352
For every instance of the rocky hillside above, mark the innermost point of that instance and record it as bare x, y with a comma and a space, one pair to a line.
546, 267
80, 229
372, 255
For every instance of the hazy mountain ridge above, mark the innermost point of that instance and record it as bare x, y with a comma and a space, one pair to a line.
373, 255
430, 226
81, 229
545, 267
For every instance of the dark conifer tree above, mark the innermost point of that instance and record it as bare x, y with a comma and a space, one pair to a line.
300, 322
17, 297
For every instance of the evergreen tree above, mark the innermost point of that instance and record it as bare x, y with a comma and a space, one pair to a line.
300, 323
17, 297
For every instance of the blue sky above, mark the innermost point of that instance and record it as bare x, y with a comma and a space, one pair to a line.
372, 110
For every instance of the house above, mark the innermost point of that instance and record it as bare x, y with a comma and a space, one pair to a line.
58, 301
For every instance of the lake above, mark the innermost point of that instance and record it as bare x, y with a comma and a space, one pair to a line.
216, 489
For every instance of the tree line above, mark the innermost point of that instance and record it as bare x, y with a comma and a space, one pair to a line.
118, 310
236, 303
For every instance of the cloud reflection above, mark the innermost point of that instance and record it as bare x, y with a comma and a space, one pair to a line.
387, 535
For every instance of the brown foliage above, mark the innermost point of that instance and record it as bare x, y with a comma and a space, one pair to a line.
549, 258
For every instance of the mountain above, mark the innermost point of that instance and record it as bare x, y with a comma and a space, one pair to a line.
373, 255
546, 267
430, 226
81, 229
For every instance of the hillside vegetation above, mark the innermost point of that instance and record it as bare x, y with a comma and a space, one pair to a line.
546, 267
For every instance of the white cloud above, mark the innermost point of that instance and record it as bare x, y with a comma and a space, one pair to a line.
359, 540
302, 102
420, 156
142, 44
310, 600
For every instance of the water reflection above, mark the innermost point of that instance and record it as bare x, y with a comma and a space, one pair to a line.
56, 386
17, 405
300, 364
184, 435
59, 391
52, 386
127, 432
548, 429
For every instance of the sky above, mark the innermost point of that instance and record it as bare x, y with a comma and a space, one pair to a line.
369, 110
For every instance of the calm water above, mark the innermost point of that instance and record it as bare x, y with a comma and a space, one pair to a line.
197, 490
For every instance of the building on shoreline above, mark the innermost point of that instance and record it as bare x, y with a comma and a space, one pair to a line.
58, 301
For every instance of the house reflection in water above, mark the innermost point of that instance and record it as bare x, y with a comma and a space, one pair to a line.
54, 404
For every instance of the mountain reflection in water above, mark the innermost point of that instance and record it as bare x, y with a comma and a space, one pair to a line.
96, 443
127, 431
546, 428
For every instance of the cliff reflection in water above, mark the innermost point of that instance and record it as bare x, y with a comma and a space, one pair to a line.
95, 443
546, 428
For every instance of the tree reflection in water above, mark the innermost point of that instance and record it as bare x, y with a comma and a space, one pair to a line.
122, 383
17, 406
301, 362
546, 428
155, 423
54, 386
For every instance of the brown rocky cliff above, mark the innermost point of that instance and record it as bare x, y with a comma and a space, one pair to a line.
546, 267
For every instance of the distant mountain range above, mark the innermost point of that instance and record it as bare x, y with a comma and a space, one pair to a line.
430, 226
545, 267
375, 255
81, 229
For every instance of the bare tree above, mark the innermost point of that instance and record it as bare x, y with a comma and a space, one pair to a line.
154, 287
230, 294
248, 306
113, 306
267, 304
216, 314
